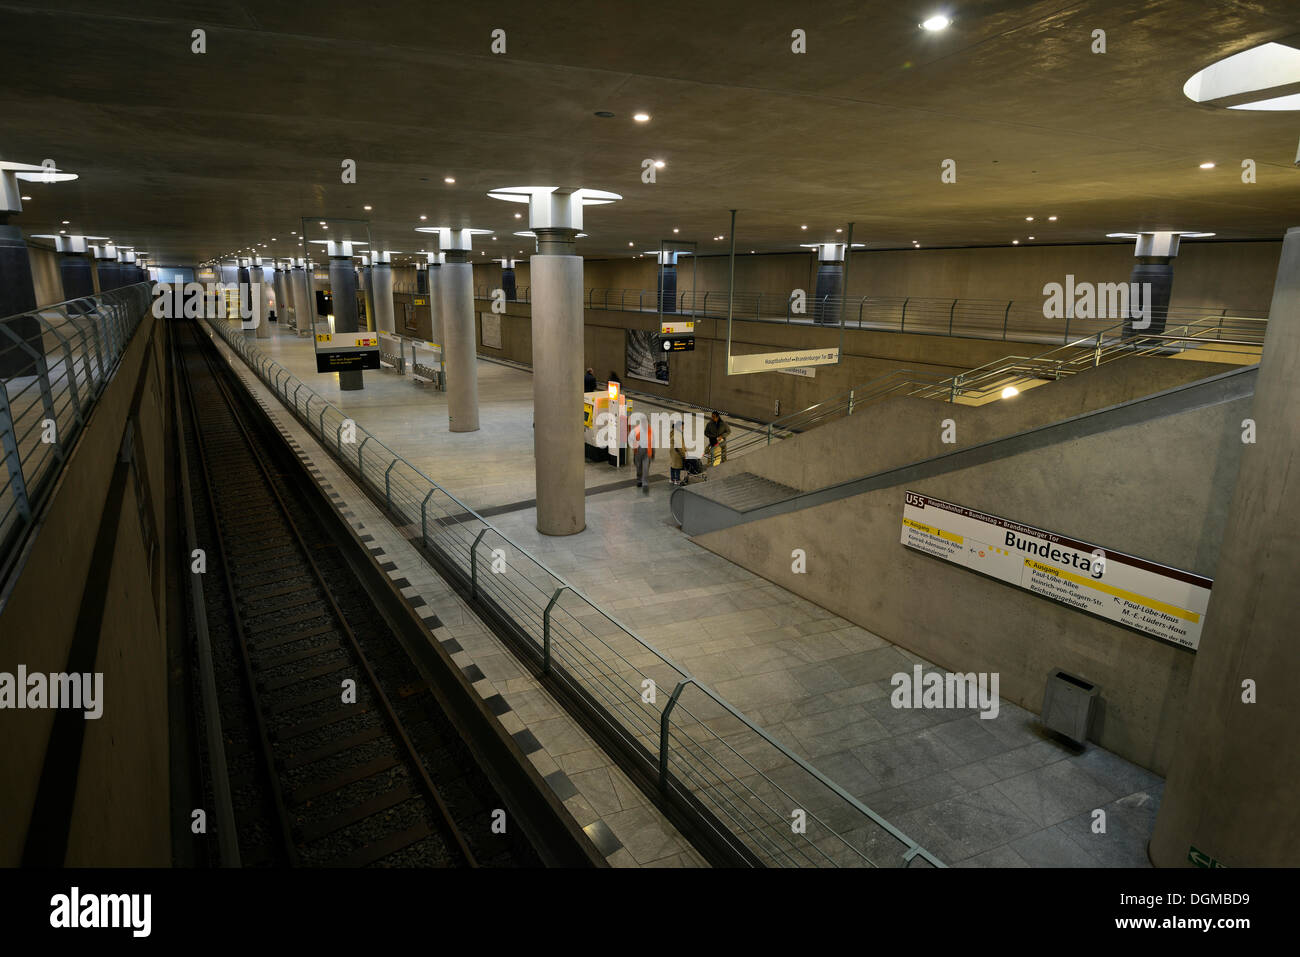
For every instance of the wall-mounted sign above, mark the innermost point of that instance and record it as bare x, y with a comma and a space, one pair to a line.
346, 351
778, 361
1165, 602
491, 329
808, 373
677, 343
676, 327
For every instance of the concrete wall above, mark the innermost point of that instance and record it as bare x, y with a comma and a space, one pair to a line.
1238, 276
901, 430
121, 813
1158, 490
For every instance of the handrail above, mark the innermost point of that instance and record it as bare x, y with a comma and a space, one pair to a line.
1001, 319
55, 361
1106, 345
746, 806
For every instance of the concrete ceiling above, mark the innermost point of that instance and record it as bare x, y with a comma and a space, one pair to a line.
192, 156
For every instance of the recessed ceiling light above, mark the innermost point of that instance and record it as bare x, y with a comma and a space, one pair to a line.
424, 217
629, 244
519, 215
67, 222
803, 227
839, 230
1029, 219
1010, 391
751, 250
27, 199
641, 117
1015, 242
659, 164
936, 22
62, 231
676, 230
449, 179
1207, 165
1051, 219
367, 208
1031, 237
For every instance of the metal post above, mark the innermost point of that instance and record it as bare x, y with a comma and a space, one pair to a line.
903, 321
360, 470
663, 729
1096, 352
956, 382
1005, 316
388, 488
546, 630
9, 446
473, 563
951, 312
424, 522
731, 285
850, 402
848, 255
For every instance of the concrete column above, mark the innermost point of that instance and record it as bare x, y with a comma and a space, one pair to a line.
17, 295
1231, 793
422, 279
108, 272
304, 309
555, 273
282, 296
381, 281
435, 300
343, 287
458, 344
257, 272
508, 280
365, 282
1152, 280
557, 392
76, 274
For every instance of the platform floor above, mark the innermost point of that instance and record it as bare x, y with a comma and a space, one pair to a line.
974, 792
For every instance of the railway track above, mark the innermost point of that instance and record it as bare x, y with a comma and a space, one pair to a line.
338, 751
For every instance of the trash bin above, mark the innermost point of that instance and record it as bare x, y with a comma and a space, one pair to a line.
1068, 706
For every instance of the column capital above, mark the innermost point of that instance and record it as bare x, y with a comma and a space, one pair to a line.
554, 207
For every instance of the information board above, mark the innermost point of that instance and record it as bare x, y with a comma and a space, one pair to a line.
346, 351
1155, 599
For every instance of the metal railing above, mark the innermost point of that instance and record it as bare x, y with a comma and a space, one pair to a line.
1002, 319
699, 748
54, 363
1236, 335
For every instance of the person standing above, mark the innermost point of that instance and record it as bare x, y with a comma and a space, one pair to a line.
642, 443
589, 381
716, 432
676, 455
